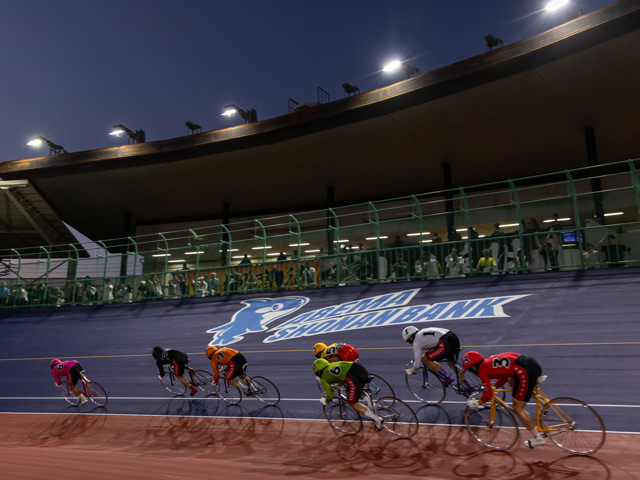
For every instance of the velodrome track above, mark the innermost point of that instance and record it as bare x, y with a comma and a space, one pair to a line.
582, 327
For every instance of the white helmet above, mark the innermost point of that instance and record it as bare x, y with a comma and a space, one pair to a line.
409, 332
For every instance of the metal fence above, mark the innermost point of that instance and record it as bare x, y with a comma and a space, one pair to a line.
579, 219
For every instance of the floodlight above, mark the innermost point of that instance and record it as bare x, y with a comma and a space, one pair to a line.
134, 137
249, 116
554, 5
53, 148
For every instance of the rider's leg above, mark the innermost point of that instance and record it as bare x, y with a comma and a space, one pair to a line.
435, 366
187, 384
240, 382
528, 422
363, 410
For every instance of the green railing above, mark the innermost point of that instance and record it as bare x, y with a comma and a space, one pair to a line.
399, 239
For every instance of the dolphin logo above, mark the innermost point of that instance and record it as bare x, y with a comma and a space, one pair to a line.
255, 317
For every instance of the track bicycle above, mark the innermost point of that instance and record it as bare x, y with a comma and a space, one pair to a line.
91, 390
263, 389
570, 424
428, 386
378, 387
201, 379
399, 418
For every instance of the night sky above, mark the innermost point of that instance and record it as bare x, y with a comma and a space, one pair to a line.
71, 69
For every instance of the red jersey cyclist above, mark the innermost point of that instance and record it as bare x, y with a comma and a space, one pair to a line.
431, 345
178, 360
236, 364
351, 374
72, 369
336, 352
522, 373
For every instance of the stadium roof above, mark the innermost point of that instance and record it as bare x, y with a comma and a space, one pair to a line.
519, 110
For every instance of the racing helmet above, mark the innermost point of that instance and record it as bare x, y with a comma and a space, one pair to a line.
210, 351
156, 351
54, 363
319, 365
470, 359
408, 333
318, 348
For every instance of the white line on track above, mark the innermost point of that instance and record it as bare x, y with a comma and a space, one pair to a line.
282, 400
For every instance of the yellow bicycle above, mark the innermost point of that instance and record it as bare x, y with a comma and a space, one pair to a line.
571, 424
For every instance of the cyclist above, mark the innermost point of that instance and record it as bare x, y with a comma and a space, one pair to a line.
236, 364
522, 373
336, 352
351, 374
178, 360
72, 369
431, 345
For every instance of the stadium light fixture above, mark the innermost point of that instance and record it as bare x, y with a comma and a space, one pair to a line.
249, 116
53, 148
134, 137
554, 5
395, 65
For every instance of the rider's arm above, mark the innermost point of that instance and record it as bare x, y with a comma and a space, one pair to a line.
216, 369
486, 381
417, 357
160, 368
327, 388
56, 377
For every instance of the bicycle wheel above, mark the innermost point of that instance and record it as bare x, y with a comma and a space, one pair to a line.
67, 393
342, 417
172, 384
264, 390
498, 431
573, 426
202, 380
96, 394
426, 386
228, 392
398, 417
379, 387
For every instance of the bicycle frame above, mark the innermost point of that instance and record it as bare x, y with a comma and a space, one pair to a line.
541, 401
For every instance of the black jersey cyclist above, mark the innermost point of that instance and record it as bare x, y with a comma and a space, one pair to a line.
178, 361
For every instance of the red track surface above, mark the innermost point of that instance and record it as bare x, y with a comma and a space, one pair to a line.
131, 447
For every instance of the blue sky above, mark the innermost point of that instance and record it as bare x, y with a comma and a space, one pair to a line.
72, 69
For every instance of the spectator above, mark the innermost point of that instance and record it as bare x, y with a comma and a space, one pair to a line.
590, 256
246, 260
121, 294
432, 266
107, 291
155, 287
5, 293
549, 252
454, 265
295, 255
520, 263
173, 289
400, 269
309, 275
182, 283
21, 296
201, 287
435, 238
251, 281
214, 284
497, 231
57, 296
281, 257
143, 291
366, 270
614, 254
486, 265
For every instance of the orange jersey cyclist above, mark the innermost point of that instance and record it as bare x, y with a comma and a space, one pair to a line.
336, 352
73, 371
178, 361
236, 364
350, 374
431, 345
522, 373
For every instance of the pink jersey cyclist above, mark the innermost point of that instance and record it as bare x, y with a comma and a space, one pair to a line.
73, 371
